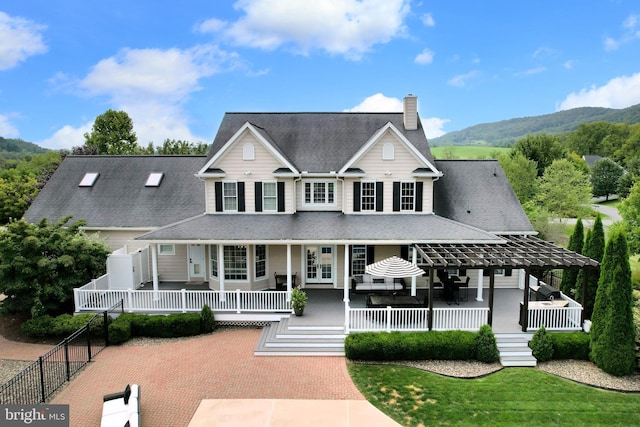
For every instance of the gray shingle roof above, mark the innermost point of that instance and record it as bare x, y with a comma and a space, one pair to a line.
320, 226
477, 193
119, 197
318, 142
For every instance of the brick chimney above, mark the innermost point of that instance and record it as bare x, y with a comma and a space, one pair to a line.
410, 105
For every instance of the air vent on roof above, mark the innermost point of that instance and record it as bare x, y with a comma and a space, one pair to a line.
89, 179
154, 179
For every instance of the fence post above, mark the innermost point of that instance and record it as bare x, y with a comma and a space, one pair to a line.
88, 332
42, 388
183, 295
76, 295
347, 317
66, 358
105, 327
130, 300
238, 302
388, 318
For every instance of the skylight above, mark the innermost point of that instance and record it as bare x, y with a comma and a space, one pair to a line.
154, 179
89, 179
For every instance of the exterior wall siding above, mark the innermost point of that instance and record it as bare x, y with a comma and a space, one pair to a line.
174, 268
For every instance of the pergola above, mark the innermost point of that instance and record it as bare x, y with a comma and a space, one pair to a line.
513, 252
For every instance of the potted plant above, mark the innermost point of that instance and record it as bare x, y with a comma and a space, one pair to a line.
298, 300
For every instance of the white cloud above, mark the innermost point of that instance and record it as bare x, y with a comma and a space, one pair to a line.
461, 79
346, 27
425, 57
19, 39
7, 129
66, 138
379, 103
212, 25
151, 86
569, 64
531, 71
630, 33
427, 20
620, 92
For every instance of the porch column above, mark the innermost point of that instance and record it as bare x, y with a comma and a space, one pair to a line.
346, 274
480, 285
520, 278
154, 270
414, 261
585, 274
221, 271
430, 296
288, 271
492, 276
524, 316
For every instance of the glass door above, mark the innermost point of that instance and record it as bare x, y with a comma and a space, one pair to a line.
320, 264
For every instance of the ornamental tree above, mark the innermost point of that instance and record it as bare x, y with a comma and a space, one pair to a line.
40, 264
576, 242
564, 190
594, 249
612, 346
605, 175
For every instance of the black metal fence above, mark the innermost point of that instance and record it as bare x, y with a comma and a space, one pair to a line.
41, 379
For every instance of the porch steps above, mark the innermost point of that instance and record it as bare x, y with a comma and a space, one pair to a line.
282, 339
514, 350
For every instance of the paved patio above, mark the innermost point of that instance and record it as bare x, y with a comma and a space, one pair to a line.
175, 377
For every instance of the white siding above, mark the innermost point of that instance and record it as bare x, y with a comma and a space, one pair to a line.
174, 268
116, 239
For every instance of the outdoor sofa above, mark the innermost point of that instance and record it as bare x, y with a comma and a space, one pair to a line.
368, 284
122, 408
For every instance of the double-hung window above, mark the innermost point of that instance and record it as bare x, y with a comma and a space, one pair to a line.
319, 193
269, 196
230, 196
368, 196
261, 261
407, 195
358, 259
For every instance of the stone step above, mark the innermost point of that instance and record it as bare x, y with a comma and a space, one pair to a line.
277, 340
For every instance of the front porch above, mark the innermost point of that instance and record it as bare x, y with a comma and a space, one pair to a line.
326, 307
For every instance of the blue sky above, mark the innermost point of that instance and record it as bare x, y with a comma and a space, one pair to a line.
177, 67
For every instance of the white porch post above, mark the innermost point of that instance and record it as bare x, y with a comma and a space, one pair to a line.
221, 271
520, 278
480, 284
414, 260
346, 289
154, 269
289, 272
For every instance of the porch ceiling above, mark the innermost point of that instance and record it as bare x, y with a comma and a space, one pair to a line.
516, 252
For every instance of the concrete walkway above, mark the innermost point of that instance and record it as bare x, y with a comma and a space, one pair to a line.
179, 378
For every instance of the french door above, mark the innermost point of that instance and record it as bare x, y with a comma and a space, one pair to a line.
320, 264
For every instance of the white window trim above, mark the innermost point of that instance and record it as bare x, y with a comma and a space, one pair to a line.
266, 262
163, 253
224, 205
368, 181
326, 182
405, 181
264, 209
248, 151
388, 151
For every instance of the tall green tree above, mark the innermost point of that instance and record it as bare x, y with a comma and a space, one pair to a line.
112, 133
576, 242
612, 346
564, 190
604, 177
594, 249
629, 210
40, 264
541, 148
521, 173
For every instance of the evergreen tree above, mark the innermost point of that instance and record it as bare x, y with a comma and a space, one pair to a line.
594, 249
576, 242
612, 332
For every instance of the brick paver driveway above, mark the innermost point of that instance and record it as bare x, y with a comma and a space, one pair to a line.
175, 377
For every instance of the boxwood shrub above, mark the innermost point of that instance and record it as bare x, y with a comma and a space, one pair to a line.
434, 345
570, 345
61, 326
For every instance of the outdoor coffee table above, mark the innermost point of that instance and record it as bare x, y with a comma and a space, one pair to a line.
396, 301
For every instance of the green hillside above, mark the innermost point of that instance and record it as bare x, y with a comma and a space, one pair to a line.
17, 149
506, 132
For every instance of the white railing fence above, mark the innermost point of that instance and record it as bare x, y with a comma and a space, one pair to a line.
556, 318
465, 319
182, 301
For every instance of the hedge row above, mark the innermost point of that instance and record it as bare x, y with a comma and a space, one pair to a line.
125, 326
431, 345
570, 345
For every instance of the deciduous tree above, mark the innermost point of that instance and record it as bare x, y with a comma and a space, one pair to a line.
564, 190
40, 264
112, 133
604, 177
522, 174
541, 148
629, 209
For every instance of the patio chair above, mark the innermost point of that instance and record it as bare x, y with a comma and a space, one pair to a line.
463, 287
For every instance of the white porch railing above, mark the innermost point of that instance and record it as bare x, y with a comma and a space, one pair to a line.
414, 319
465, 319
182, 301
556, 318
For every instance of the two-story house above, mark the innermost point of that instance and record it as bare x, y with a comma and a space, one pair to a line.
315, 195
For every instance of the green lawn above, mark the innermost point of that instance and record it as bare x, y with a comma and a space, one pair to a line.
512, 396
467, 152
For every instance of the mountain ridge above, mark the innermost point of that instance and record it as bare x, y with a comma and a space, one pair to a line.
504, 133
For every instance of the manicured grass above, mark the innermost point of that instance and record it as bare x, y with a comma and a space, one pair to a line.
512, 396
467, 152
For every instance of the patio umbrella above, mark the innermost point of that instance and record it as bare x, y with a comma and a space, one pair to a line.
393, 267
